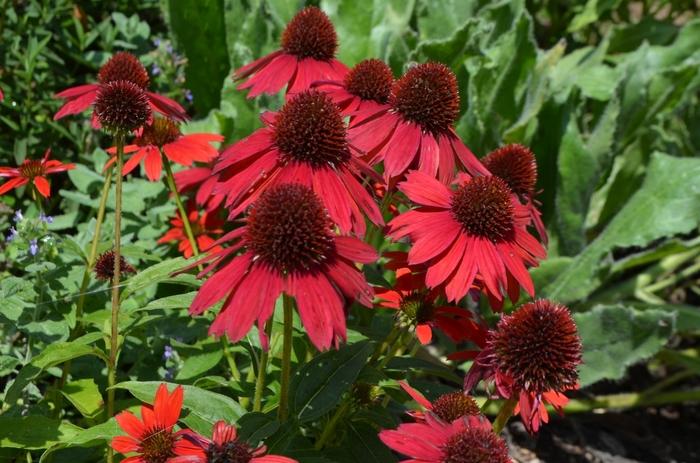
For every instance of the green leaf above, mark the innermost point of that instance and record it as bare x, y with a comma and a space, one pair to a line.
152, 275
34, 432
615, 337
199, 364
7, 365
177, 301
256, 427
665, 205
85, 396
52, 355
363, 444
318, 385
207, 405
205, 47
95, 435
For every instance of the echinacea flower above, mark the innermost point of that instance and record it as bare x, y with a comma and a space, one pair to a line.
466, 440
164, 134
532, 355
104, 266
415, 130
305, 142
448, 407
202, 180
307, 54
225, 447
33, 171
204, 227
477, 229
517, 166
289, 246
418, 307
121, 66
121, 106
365, 87
152, 438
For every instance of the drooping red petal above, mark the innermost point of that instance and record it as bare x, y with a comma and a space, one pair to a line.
42, 186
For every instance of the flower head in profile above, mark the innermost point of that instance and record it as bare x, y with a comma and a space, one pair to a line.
104, 266
288, 247
448, 407
465, 440
122, 66
164, 135
517, 166
418, 307
205, 226
476, 229
367, 86
121, 106
33, 171
152, 439
307, 54
226, 447
533, 356
305, 142
415, 130
201, 181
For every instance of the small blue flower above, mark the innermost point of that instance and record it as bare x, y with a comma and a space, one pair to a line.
45, 218
188, 95
169, 48
18, 215
167, 353
155, 70
33, 247
156, 42
13, 234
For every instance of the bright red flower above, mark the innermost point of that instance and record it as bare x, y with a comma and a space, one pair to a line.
203, 181
153, 438
448, 407
517, 166
164, 134
308, 51
415, 130
2, 97
366, 87
305, 142
418, 306
203, 225
532, 355
225, 447
289, 246
466, 440
476, 230
121, 66
34, 171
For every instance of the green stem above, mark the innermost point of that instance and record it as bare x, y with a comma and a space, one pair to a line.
114, 338
668, 382
287, 305
329, 430
262, 372
36, 196
230, 359
180, 206
390, 339
504, 415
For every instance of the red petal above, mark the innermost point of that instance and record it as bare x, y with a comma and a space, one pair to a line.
355, 250
42, 185
426, 190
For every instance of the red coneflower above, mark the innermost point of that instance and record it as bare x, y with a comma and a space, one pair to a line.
448, 407
289, 247
308, 51
34, 171
466, 440
517, 166
225, 447
366, 87
164, 134
104, 266
121, 106
121, 66
418, 306
203, 225
152, 438
532, 355
304, 143
203, 181
477, 229
415, 130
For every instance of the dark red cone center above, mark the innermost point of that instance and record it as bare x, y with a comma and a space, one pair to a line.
484, 208
428, 95
158, 133
455, 405
104, 266
370, 79
310, 34
417, 307
124, 66
289, 229
31, 168
157, 446
475, 445
229, 452
516, 165
122, 106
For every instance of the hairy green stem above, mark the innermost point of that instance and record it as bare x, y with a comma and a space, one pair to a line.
287, 305
114, 338
332, 423
262, 372
180, 206
504, 415
230, 359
